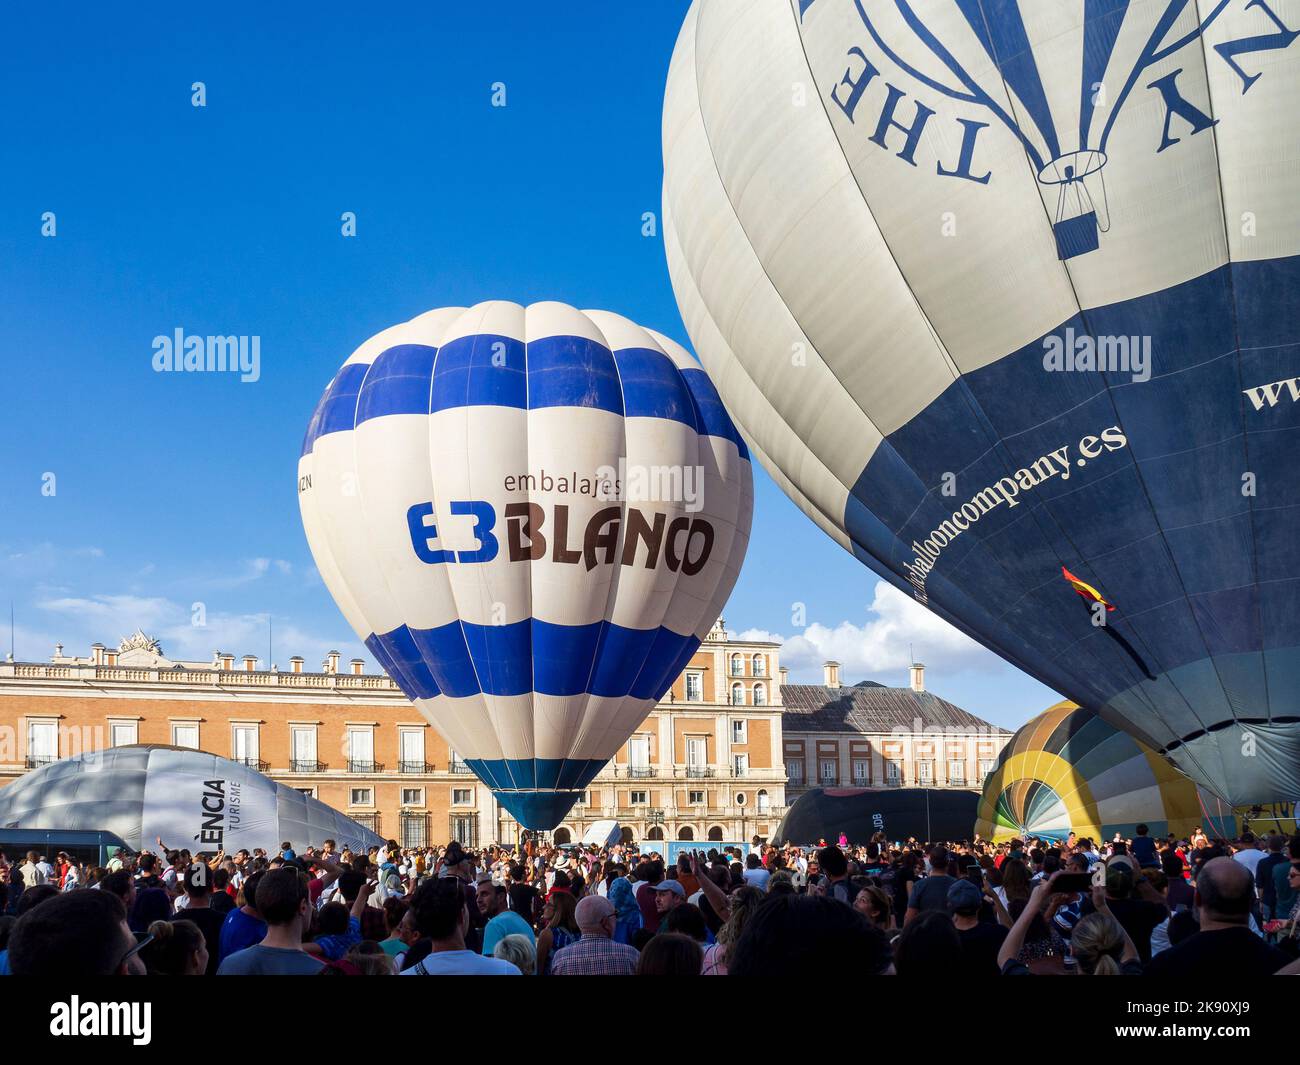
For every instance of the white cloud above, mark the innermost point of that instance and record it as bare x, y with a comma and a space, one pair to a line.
897, 630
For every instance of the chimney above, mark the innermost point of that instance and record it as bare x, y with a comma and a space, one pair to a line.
227, 660
832, 674
918, 677
332, 662
784, 674
295, 664
358, 664
110, 658
97, 653
250, 663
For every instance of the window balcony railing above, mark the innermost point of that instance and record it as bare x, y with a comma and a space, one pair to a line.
738, 772
640, 772
861, 782
699, 772
415, 767
829, 782
306, 765
253, 763
355, 766
459, 767
35, 761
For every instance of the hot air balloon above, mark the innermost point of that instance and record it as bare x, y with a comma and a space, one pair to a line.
1005, 294
193, 800
531, 516
1067, 771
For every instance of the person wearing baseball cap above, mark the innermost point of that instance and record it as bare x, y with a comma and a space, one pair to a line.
980, 940
669, 894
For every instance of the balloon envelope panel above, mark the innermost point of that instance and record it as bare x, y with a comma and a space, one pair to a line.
900, 813
531, 516
193, 800
1068, 770
989, 288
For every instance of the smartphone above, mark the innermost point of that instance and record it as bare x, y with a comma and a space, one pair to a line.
1070, 882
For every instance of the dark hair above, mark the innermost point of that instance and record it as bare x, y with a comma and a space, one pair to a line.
220, 878
831, 861
517, 872
688, 920
249, 888
752, 860
34, 896
670, 954
280, 892
151, 904
75, 934
333, 919
286, 846
641, 937
1172, 865
7, 922
802, 933
118, 883
349, 884
394, 910
438, 905
174, 942
928, 947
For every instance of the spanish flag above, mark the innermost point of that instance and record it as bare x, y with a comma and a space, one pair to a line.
1085, 589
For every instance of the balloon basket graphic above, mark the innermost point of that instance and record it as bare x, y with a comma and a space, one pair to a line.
1076, 225
1076, 236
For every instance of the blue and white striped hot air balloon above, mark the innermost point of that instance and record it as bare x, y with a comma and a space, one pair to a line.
531, 516
997, 288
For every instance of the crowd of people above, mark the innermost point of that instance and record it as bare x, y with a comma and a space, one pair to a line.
1149, 906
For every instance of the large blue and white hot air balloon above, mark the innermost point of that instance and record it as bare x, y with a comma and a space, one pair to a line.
997, 288
531, 516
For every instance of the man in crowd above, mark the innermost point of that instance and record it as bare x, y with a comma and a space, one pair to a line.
198, 910
755, 875
442, 917
1264, 874
668, 895
980, 940
284, 905
1224, 944
932, 892
492, 902
595, 953
32, 873
1134, 902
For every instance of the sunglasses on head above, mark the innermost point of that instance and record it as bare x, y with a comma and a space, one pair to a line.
140, 944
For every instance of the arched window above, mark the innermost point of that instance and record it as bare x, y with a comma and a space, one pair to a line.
760, 695
686, 833
561, 836
626, 835
759, 669
715, 834
737, 695
655, 833
762, 801
737, 666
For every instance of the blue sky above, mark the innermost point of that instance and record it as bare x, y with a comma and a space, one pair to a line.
176, 489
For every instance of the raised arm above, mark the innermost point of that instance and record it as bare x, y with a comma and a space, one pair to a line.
716, 896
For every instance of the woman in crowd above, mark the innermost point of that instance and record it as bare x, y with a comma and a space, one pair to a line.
560, 928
